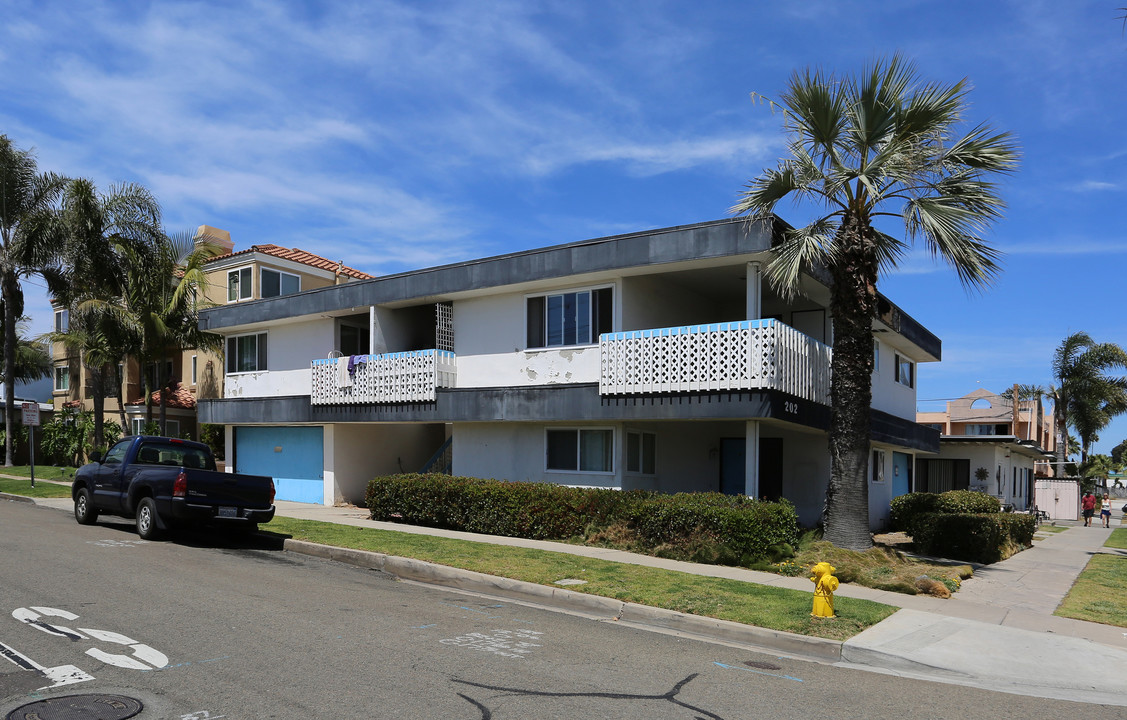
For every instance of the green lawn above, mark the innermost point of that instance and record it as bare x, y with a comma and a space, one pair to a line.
1118, 539
1097, 595
760, 605
42, 472
23, 486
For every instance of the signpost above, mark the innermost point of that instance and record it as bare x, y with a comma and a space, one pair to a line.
30, 421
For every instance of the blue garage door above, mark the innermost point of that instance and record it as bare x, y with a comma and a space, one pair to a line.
293, 456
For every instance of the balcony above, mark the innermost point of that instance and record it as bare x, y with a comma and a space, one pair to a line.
746, 355
402, 377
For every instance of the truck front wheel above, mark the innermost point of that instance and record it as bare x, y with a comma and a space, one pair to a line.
84, 511
148, 526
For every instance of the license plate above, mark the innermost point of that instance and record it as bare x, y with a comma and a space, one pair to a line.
228, 512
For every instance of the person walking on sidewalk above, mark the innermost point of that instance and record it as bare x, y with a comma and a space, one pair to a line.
1105, 511
1088, 505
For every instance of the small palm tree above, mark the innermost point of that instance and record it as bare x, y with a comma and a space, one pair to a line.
27, 206
879, 145
1086, 396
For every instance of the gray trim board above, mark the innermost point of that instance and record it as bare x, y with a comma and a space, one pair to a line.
561, 403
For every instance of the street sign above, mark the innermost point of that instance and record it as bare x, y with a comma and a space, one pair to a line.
30, 413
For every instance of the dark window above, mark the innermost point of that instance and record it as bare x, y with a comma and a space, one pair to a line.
580, 450
576, 318
275, 283
246, 353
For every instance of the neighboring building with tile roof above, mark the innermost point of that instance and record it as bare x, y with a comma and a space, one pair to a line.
234, 276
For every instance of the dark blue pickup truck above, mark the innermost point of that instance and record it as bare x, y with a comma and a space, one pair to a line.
168, 483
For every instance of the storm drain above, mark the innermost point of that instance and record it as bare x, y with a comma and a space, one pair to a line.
79, 707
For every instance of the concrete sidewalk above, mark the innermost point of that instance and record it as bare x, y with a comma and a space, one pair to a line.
998, 632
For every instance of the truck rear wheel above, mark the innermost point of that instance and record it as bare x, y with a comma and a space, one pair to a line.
148, 523
84, 511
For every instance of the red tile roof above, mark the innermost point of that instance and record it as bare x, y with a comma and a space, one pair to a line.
301, 256
181, 397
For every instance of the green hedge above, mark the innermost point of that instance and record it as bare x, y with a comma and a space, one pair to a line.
977, 537
906, 508
704, 527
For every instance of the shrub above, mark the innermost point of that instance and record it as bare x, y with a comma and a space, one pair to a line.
701, 527
977, 537
906, 508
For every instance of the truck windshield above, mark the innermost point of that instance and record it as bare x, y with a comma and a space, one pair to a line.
175, 455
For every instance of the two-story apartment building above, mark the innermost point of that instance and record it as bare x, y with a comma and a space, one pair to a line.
255, 273
658, 359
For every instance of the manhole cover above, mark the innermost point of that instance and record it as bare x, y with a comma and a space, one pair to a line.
79, 707
761, 665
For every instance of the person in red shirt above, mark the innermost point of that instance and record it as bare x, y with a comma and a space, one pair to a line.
1088, 505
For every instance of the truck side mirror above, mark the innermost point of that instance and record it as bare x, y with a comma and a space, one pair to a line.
96, 456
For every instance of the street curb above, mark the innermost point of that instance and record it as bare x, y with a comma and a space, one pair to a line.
16, 498
595, 606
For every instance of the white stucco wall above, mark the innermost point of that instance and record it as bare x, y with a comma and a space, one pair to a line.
360, 452
489, 341
290, 351
997, 461
889, 395
648, 303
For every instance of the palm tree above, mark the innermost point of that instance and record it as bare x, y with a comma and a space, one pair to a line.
879, 145
27, 204
1086, 396
90, 271
157, 310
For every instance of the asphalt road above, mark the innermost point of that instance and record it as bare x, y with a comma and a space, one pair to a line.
204, 627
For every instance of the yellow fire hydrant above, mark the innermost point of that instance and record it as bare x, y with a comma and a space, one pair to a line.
824, 585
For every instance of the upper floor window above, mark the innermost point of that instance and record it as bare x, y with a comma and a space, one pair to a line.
574, 318
905, 371
62, 320
275, 283
246, 353
876, 355
239, 285
195, 368
62, 378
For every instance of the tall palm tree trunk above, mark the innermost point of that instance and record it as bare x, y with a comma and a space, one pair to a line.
853, 303
10, 290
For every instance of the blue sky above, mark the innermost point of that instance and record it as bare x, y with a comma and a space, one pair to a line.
398, 135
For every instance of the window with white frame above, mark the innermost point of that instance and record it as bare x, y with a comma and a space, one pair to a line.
195, 368
62, 320
878, 466
276, 283
876, 355
246, 353
580, 450
905, 371
641, 452
572, 318
239, 284
62, 378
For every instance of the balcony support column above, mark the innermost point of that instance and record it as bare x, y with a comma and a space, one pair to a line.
751, 458
754, 291
371, 329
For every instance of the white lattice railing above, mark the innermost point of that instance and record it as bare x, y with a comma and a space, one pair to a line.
746, 355
388, 378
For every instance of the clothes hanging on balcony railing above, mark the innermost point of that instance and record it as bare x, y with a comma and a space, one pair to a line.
344, 373
353, 361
